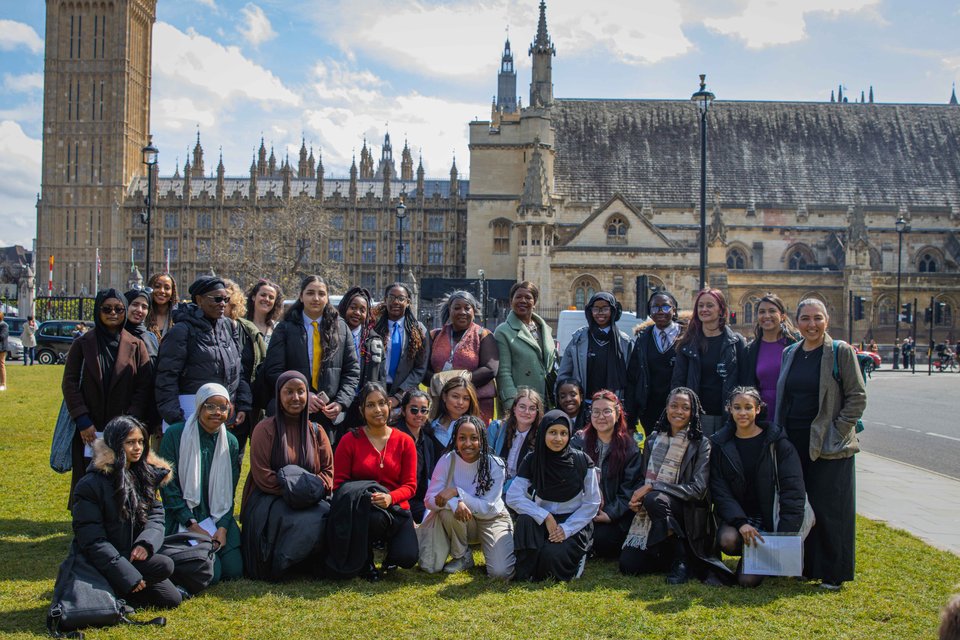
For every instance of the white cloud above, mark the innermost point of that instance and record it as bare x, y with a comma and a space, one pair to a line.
20, 166
17, 34
256, 28
210, 3
764, 23
26, 83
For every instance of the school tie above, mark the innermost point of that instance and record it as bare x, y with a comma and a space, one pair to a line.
396, 348
664, 342
317, 356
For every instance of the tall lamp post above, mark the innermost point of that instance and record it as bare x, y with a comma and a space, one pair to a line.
150, 153
902, 227
703, 98
483, 295
401, 214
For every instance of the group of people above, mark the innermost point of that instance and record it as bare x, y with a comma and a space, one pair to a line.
658, 449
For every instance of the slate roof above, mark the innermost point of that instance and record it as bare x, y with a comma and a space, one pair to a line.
297, 185
768, 153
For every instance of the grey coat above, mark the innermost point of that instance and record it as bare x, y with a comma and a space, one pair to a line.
573, 364
833, 432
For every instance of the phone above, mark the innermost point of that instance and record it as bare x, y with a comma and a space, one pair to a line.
324, 398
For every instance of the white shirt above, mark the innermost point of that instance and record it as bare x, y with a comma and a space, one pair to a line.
513, 458
672, 332
387, 343
485, 506
582, 507
308, 325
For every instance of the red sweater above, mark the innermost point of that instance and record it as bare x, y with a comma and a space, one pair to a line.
357, 459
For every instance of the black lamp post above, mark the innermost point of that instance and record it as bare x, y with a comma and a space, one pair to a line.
401, 214
703, 98
483, 295
902, 227
150, 153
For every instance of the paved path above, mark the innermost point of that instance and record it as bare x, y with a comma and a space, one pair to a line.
924, 503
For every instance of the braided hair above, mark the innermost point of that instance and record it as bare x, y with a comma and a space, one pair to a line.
328, 319
753, 394
134, 488
696, 411
367, 326
483, 481
414, 336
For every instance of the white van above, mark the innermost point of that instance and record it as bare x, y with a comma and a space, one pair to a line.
572, 319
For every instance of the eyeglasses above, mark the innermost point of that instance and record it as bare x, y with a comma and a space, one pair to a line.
113, 311
663, 308
401, 299
219, 299
603, 309
216, 408
417, 410
606, 413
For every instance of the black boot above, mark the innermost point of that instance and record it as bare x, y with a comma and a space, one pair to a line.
678, 570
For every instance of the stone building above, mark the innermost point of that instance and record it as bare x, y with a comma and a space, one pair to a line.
96, 120
580, 195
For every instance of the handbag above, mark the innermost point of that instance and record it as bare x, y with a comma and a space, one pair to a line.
441, 378
193, 558
809, 519
61, 449
82, 598
431, 538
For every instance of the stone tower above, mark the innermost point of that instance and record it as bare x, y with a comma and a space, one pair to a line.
507, 82
542, 52
96, 120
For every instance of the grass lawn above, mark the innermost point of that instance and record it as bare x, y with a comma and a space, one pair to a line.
901, 583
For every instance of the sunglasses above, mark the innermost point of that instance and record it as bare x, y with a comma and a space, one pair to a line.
417, 410
219, 299
113, 311
663, 308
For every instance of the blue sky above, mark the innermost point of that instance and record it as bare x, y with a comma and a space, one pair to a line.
334, 71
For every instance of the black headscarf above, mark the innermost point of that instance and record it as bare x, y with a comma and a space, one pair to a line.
136, 329
306, 457
556, 476
616, 368
108, 343
205, 284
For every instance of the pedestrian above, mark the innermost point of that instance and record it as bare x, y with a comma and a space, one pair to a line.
29, 340
165, 301
821, 397
772, 333
264, 307
4, 338
138, 308
526, 347
570, 399
406, 342
652, 360
597, 354
710, 358
906, 351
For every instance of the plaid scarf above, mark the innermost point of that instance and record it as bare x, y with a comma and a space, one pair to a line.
664, 466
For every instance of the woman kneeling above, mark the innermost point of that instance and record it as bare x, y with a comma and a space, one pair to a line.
468, 499
557, 496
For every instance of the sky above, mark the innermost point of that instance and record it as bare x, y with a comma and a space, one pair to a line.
333, 72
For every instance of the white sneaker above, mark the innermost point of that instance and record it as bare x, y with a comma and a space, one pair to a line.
3, 387
459, 564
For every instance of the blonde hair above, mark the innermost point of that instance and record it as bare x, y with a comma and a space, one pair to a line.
238, 301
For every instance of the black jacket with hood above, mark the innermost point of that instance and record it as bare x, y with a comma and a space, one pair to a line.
686, 370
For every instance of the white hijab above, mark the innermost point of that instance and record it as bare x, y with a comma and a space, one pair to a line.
220, 479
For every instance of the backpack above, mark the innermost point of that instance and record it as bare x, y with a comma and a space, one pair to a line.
836, 376
193, 560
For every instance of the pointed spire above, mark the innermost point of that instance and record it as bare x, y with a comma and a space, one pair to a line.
420, 174
871, 94
406, 162
353, 180
953, 95
840, 93
542, 41
220, 173
832, 96
318, 192
197, 157
542, 49
536, 186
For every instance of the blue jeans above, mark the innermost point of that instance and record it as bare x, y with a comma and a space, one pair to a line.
31, 352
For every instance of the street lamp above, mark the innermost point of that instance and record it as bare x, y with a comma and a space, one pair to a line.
483, 295
150, 153
902, 228
401, 214
703, 98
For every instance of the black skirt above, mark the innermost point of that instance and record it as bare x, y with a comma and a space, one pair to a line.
538, 558
830, 549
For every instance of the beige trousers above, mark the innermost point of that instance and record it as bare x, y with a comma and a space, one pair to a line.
495, 537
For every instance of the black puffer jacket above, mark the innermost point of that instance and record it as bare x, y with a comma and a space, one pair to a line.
728, 484
686, 371
103, 538
194, 352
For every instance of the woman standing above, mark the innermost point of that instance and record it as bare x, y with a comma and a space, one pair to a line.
557, 496
138, 308
164, 303
512, 439
264, 307
107, 374
29, 340
710, 358
820, 398
773, 333
614, 452
597, 354
355, 308
313, 340
118, 518
525, 344
650, 370
206, 470
406, 340
470, 506
414, 422
4, 337
462, 344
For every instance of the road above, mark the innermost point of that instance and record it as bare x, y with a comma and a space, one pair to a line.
914, 419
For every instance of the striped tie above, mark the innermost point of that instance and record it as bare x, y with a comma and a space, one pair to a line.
317, 356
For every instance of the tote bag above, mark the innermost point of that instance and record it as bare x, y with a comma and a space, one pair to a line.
808, 518
432, 539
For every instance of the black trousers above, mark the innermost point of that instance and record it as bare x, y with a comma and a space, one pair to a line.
159, 592
399, 536
666, 513
608, 539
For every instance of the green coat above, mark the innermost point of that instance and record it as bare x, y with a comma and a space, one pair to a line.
523, 360
176, 512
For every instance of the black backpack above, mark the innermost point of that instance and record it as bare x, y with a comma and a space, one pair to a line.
193, 560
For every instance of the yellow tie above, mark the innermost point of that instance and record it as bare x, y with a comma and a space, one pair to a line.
317, 356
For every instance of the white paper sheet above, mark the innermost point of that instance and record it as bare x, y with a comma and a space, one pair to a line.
207, 524
88, 449
780, 554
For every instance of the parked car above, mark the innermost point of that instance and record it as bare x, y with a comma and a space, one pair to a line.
54, 338
869, 361
14, 348
15, 324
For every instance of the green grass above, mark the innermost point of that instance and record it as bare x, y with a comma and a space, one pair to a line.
901, 582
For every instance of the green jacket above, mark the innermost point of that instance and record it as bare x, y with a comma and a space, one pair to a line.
523, 360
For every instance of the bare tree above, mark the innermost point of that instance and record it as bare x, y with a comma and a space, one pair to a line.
280, 240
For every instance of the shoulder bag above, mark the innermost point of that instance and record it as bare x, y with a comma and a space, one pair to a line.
61, 455
193, 558
809, 519
431, 537
838, 378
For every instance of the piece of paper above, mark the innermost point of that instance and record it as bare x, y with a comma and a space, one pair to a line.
207, 524
780, 554
88, 449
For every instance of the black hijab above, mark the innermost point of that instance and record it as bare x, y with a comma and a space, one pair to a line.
616, 368
306, 457
108, 343
556, 476
136, 329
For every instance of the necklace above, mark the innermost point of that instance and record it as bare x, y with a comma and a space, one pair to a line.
380, 453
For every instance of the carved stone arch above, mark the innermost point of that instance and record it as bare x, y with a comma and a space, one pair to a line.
947, 311
582, 289
738, 256
748, 307
885, 310
929, 260
798, 256
502, 230
616, 227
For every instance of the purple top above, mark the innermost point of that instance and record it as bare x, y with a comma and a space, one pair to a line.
768, 371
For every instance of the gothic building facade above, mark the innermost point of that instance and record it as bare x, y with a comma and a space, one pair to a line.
580, 195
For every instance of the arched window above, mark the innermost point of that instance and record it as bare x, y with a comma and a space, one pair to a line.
927, 263
501, 237
616, 230
944, 313
886, 314
749, 310
736, 259
583, 290
798, 259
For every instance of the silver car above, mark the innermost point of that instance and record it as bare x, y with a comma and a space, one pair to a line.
14, 348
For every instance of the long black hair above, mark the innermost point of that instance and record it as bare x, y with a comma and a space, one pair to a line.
483, 480
328, 319
410, 325
696, 411
134, 488
365, 391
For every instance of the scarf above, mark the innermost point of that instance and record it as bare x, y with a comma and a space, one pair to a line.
138, 330
616, 367
664, 466
220, 476
108, 342
306, 456
555, 476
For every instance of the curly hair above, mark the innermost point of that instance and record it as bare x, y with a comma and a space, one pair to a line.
328, 319
415, 338
621, 441
151, 321
510, 424
694, 331
696, 411
238, 302
277, 304
483, 480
